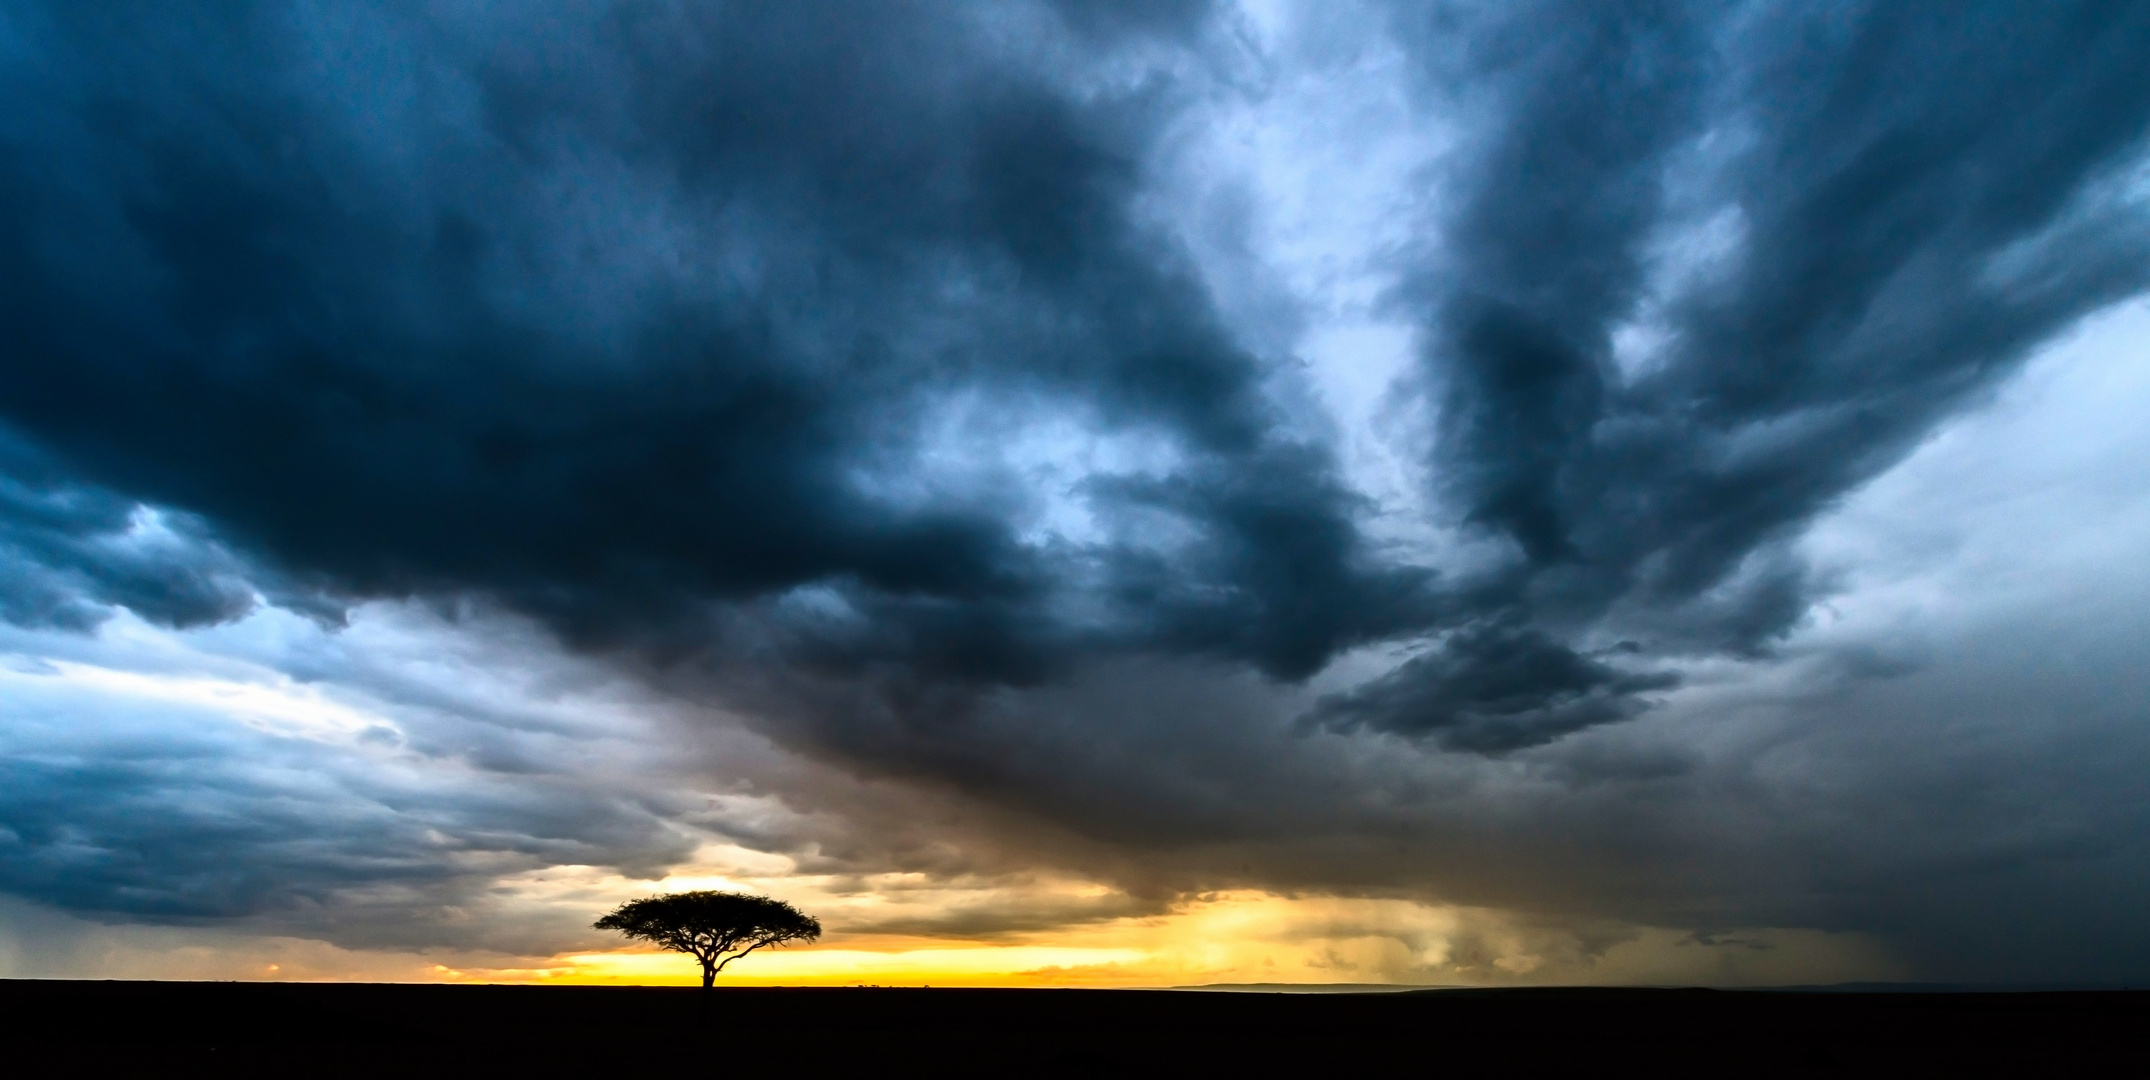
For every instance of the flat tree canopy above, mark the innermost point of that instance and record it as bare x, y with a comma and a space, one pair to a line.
714, 927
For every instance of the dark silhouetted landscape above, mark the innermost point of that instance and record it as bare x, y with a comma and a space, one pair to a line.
358, 1027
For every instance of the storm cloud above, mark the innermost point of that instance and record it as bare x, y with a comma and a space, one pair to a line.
866, 376
612, 347
1877, 246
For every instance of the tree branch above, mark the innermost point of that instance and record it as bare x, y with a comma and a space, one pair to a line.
765, 941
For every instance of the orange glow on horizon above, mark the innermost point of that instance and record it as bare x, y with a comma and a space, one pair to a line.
1246, 937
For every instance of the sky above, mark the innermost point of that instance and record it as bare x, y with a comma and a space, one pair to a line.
1109, 493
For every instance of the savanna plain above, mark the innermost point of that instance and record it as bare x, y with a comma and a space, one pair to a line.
330, 1029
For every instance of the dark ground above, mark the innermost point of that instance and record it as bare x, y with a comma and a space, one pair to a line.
95, 1028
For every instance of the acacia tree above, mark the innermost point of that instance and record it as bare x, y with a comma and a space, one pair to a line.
715, 928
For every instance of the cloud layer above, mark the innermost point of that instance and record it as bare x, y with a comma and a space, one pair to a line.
920, 416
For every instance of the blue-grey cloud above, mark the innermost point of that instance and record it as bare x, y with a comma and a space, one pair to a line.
70, 553
1906, 200
1491, 689
628, 343
706, 335
626, 310
129, 808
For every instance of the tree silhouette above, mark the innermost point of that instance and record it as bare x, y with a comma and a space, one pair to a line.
715, 928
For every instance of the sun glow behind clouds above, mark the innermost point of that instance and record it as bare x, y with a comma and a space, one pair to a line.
1252, 937
886, 928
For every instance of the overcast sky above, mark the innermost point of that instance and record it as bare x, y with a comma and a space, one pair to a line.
1069, 492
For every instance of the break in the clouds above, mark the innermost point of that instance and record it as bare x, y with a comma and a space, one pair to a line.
1422, 453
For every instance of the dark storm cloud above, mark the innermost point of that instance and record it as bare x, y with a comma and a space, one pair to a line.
607, 314
648, 320
70, 553
1912, 195
1490, 689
